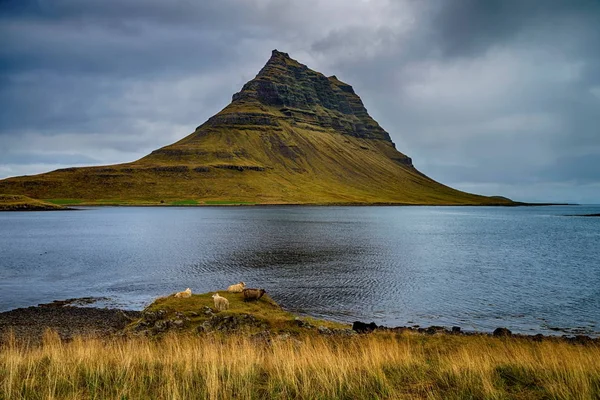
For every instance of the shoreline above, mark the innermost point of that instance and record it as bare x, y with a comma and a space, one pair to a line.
158, 205
70, 318
29, 324
83, 205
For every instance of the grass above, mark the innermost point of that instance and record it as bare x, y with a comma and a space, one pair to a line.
11, 202
376, 366
228, 202
64, 201
184, 203
266, 312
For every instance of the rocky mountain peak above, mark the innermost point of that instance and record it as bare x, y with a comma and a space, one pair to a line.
305, 95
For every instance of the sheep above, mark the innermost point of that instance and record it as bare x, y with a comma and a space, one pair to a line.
186, 293
238, 288
253, 294
221, 303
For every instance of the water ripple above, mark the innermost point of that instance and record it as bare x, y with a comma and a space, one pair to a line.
529, 269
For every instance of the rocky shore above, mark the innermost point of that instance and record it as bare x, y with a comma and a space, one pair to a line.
29, 324
71, 318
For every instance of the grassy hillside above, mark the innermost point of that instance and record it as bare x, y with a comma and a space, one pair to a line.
293, 165
290, 136
11, 202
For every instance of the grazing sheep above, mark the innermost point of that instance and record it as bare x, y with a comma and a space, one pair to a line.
253, 294
221, 303
186, 293
238, 288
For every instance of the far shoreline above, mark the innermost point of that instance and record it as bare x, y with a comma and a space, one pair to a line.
324, 205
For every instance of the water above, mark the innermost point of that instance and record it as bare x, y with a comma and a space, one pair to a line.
530, 269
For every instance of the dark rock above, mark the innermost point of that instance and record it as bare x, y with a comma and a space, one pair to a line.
538, 338
149, 316
161, 326
582, 339
435, 329
171, 169
456, 329
231, 323
323, 330
178, 323
361, 327
240, 167
303, 324
30, 323
502, 332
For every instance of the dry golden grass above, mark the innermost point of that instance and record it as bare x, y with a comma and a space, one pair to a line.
386, 366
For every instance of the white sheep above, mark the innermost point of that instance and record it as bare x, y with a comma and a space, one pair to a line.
221, 303
185, 294
237, 288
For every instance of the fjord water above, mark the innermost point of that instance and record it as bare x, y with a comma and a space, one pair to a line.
531, 269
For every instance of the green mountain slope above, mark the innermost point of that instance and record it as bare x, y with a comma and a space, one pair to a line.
10, 202
290, 136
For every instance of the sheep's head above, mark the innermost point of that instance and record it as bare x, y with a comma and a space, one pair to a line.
188, 290
242, 283
215, 295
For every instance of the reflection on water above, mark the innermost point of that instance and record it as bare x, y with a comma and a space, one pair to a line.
529, 269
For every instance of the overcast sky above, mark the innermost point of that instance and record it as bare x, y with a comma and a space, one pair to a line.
497, 97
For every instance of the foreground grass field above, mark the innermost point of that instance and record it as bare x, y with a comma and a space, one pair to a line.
382, 365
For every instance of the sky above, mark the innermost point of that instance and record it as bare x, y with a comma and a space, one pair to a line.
495, 97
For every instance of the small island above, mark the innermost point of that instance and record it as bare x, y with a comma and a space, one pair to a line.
15, 202
258, 350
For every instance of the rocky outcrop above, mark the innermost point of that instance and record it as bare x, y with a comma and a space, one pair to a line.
303, 95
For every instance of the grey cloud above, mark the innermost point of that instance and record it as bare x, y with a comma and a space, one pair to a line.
465, 27
28, 158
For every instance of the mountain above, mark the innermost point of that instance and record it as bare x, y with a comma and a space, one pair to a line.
290, 136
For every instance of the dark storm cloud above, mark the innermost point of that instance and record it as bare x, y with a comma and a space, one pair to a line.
467, 27
497, 97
